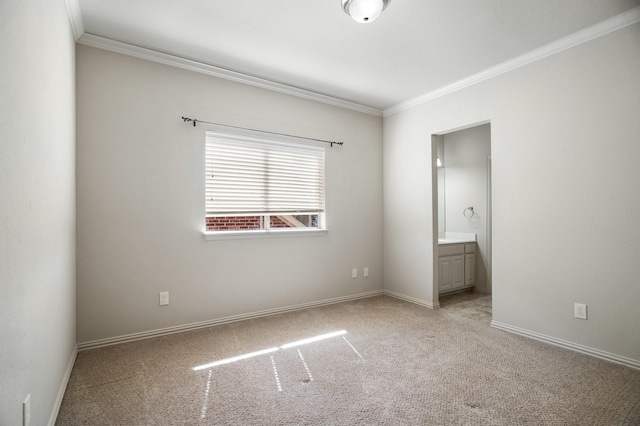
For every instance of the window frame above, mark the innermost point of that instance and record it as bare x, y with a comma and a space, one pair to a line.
267, 232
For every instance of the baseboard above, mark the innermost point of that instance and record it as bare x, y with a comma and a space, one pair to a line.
628, 362
412, 299
203, 324
62, 388
458, 291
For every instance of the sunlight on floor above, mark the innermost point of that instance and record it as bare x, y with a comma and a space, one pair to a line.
306, 367
296, 344
275, 373
313, 339
270, 350
351, 346
235, 358
203, 412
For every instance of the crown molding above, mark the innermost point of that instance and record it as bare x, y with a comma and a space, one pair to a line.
75, 17
605, 27
615, 23
104, 43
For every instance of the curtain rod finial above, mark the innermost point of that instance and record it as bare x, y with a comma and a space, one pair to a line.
187, 119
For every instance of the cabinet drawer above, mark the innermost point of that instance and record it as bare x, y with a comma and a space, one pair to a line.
470, 248
450, 249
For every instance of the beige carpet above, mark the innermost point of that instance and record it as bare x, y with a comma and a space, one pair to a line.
397, 363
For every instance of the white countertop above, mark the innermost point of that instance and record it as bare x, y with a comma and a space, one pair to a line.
454, 241
456, 238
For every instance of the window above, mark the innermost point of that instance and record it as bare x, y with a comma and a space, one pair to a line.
262, 185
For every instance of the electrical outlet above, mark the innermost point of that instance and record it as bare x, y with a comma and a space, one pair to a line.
580, 310
26, 411
164, 298
354, 273
365, 272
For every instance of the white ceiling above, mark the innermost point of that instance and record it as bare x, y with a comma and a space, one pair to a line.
414, 48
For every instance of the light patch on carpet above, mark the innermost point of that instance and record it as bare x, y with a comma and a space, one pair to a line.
235, 359
306, 367
313, 339
207, 389
351, 346
271, 350
275, 373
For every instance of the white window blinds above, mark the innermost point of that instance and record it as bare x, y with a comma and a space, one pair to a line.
250, 176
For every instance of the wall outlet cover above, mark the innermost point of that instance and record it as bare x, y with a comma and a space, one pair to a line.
580, 310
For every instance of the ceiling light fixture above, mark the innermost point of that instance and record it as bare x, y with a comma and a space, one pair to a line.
364, 11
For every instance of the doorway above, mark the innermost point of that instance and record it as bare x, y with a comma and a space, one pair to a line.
462, 199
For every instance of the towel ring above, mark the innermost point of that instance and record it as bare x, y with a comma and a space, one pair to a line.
470, 209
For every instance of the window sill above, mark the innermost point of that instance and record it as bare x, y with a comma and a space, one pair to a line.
245, 235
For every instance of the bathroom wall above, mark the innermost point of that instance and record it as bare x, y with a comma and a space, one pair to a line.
465, 185
441, 190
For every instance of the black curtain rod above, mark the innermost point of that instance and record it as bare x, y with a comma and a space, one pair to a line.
194, 121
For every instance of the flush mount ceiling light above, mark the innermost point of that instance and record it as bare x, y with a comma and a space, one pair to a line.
364, 11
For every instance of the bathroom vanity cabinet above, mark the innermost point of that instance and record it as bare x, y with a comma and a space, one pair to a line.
456, 266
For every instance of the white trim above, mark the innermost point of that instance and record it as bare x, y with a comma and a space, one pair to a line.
203, 324
412, 299
248, 235
607, 26
62, 388
212, 70
75, 17
465, 127
488, 284
628, 362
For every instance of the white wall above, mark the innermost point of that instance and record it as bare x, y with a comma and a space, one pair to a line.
140, 173
37, 207
442, 199
465, 185
565, 154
